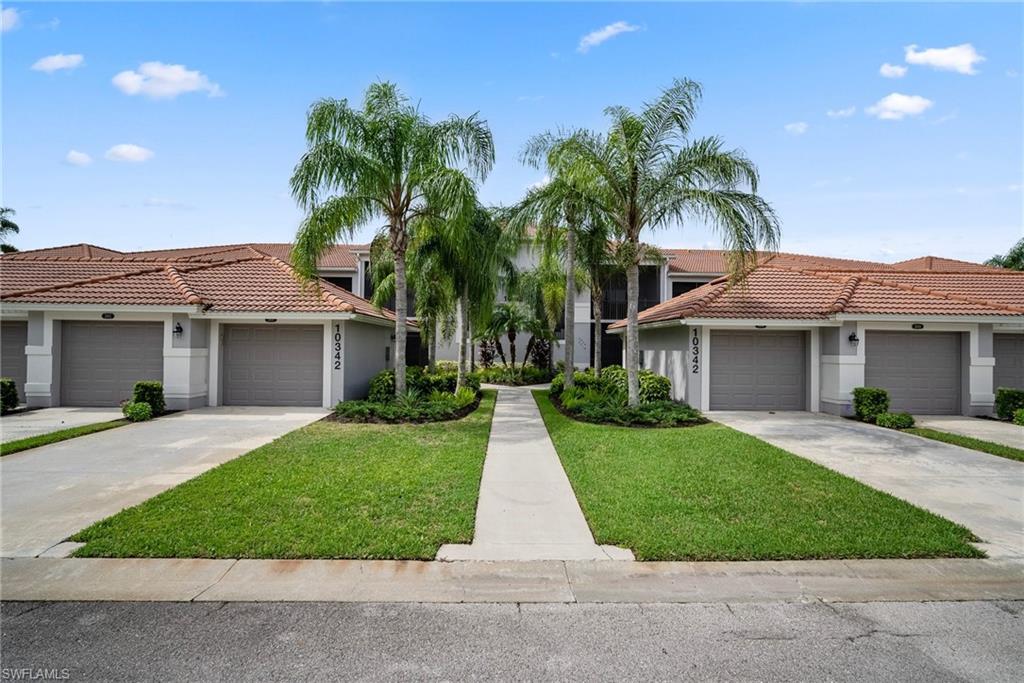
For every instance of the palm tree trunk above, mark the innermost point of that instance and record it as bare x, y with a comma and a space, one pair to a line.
501, 351
432, 348
512, 347
632, 333
400, 321
596, 302
462, 311
569, 327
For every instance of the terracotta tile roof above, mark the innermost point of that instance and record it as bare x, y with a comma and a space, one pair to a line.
772, 292
945, 265
340, 256
715, 261
66, 251
255, 283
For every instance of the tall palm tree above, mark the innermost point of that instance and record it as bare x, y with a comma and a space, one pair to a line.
7, 227
1013, 259
653, 174
598, 258
385, 162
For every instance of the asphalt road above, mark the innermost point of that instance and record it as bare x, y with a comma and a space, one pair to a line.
319, 641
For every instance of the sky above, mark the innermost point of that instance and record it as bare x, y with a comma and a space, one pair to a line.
881, 131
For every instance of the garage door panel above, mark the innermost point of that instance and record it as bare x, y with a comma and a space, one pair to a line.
758, 370
101, 361
273, 365
920, 370
1009, 353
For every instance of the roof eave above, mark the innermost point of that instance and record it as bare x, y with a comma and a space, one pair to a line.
20, 306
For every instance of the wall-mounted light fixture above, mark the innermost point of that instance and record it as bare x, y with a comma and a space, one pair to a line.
854, 339
760, 327
270, 320
178, 330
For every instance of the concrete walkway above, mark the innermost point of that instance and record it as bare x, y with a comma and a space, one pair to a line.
45, 420
527, 509
983, 492
51, 492
510, 582
995, 431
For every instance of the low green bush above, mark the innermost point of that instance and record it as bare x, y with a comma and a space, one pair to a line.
1018, 417
1008, 402
137, 411
412, 407
8, 395
152, 393
653, 387
522, 375
870, 402
382, 386
592, 405
895, 420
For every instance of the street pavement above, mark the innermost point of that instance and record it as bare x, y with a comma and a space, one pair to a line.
931, 641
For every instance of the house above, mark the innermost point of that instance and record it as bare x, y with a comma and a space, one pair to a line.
231, 325
218, 326
800, 333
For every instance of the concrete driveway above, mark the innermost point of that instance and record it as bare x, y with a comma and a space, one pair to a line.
51, 492
983, 492
45, 420
995, 431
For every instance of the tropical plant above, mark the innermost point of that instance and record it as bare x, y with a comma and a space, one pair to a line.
385, 162
510, 318
648, 173
1013, 259
7, 227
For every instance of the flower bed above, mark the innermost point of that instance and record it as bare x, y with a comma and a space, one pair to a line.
602, 400
439, 406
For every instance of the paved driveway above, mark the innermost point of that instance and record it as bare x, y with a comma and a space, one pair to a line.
51, 492
44, 420
978, 428
983, 492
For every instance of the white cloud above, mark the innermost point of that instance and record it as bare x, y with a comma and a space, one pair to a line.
896, 106
843, 113
543, 182
595, 38
58, 62
51, 25
76, 158
959, 58
892, 70
127, 152
9, 20
796, 128
164, 81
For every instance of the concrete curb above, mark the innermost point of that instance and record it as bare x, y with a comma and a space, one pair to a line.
185, 580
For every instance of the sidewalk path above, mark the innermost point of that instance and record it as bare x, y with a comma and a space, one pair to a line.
975, 427
527, 509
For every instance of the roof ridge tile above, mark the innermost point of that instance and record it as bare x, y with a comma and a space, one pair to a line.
182, 286
85, 281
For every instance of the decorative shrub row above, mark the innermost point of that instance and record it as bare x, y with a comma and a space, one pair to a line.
523, 375
382, 386
609, 407
146, 403
869, 403
8, 395
137, 411
614, 378
1018, 417
895, 420
413, 407
1008, 402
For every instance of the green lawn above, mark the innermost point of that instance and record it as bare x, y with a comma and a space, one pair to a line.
61, 435
712, 493
328, 490
969, 442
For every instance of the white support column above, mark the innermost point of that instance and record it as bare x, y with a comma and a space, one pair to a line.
213, 384
336, 361
705, 367
42, 361
980, 392
814, 405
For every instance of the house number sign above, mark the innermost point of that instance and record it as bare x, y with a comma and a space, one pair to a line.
337, 347
695, 353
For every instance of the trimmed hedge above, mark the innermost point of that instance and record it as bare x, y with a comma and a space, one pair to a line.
653, 387
523, 375
8, 395
895, 420
137, 411
152, 393
382, 386
437, 407
870, 402
1018, 417
1008, 402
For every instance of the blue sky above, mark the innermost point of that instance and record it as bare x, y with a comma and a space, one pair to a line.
202, 153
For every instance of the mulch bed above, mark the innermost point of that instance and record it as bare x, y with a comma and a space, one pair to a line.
373, 419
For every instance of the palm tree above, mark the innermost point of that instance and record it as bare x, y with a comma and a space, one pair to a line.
386, 162
7, 227
1013, 259
597, 255
652, 174
511, 318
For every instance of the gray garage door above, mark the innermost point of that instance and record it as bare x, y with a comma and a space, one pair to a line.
13, 338
758, 370
920, 370
273, 365
101, 361
1009, 353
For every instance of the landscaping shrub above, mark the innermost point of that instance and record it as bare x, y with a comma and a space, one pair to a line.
870, 402
446, 366
540, 354
8, 395
582, 378
590, 404
412, 407
151, 393
1018, 417
137, 411
653, 387
895, 420
1008, 402
522, 375
488, 353
382, 386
